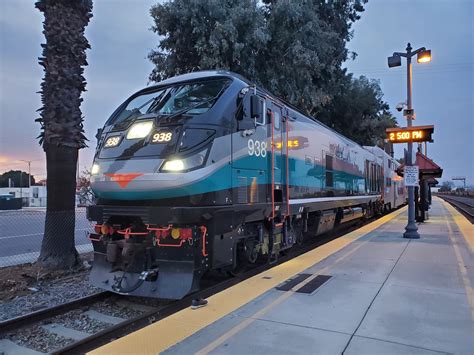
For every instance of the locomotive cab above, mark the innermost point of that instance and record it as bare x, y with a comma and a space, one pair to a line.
162, 156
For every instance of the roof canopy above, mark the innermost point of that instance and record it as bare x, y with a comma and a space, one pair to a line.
428, 168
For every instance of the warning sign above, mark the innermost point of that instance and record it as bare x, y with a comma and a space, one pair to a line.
411, 174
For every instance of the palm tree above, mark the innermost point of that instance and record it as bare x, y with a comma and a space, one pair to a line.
62, 134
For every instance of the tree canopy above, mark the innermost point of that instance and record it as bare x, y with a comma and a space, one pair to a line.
358, 111
18, 178
294, 49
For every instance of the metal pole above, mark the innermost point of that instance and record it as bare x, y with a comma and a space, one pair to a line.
29, 175
21, 186
411, 229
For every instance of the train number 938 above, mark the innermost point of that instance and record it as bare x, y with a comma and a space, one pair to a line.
257, 148
161, 137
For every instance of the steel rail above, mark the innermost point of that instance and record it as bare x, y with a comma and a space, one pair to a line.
37, 316
465, 208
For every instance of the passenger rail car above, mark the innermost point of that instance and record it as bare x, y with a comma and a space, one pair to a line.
207, 171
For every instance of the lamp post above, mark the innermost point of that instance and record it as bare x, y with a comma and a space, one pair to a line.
29, 171
424, 56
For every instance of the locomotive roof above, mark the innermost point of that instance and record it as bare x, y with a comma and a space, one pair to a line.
207, 74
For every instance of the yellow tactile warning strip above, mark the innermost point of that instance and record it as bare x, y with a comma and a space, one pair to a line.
160, 336
462, 268
466, 227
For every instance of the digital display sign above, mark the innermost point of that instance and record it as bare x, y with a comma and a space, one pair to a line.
410, 134
293, 143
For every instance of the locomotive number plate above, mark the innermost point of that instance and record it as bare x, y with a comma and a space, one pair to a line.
162, 137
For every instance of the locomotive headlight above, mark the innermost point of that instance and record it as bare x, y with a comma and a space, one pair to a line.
173, 165
193, 162
140, 130
95, 169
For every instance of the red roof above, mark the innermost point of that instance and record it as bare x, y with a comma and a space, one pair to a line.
426, 165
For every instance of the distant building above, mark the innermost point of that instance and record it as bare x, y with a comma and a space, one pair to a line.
34, 196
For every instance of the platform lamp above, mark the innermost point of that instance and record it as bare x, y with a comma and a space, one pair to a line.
423, 56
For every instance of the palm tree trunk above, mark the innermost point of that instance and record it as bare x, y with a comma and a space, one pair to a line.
64, 56
58, 246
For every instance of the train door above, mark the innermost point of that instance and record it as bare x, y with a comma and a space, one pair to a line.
250, 149
278, 164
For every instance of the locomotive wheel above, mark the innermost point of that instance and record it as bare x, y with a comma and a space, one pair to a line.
241, 261
251, 252
298, 233
300, 237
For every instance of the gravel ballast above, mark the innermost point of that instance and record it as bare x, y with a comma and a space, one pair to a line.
48, 294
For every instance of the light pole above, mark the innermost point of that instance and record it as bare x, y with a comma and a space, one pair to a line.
424, 55
29, 171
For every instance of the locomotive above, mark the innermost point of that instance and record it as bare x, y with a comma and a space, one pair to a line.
207, 171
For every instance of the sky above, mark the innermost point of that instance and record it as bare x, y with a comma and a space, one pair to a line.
120, 37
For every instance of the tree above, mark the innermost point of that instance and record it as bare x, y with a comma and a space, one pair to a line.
446, 186
18, 179
61, 119
358, 111
292, 48
301, 62
207, 34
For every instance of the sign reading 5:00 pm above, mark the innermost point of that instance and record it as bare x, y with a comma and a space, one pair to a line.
410, 134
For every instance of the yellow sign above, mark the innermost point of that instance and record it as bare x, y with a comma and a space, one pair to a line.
410, 134
293, 143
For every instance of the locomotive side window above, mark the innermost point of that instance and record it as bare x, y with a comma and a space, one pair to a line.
257, 109
276, 120
367, 184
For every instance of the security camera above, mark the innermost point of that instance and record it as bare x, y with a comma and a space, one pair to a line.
400, 106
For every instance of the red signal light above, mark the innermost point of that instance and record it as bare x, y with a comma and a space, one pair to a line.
185, 233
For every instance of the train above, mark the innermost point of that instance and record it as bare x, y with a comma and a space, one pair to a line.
208, 171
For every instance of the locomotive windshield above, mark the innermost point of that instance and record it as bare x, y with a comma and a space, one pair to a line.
192, 98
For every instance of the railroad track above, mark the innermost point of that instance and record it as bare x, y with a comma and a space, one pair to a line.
464, 204
50, 319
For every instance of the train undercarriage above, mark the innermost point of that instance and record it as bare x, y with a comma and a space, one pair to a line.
145, 252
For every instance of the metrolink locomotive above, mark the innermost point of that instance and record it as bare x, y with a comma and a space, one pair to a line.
207, 171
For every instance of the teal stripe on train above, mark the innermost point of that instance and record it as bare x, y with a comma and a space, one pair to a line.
301, 174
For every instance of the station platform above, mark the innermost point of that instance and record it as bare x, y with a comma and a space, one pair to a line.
368, 292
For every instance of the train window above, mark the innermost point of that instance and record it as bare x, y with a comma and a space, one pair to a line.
329, 179
367, 182
329, 162
329, 171
191, 98
276, 119
193, 137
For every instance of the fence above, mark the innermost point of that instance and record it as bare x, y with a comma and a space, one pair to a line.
21, 234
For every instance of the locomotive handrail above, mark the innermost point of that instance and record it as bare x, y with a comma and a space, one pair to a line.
181, 242
204, 232
127, 232
273, 165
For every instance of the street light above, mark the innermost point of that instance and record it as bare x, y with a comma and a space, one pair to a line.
424, 56
29, 170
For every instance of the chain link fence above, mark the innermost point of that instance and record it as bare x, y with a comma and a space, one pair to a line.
21, 234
